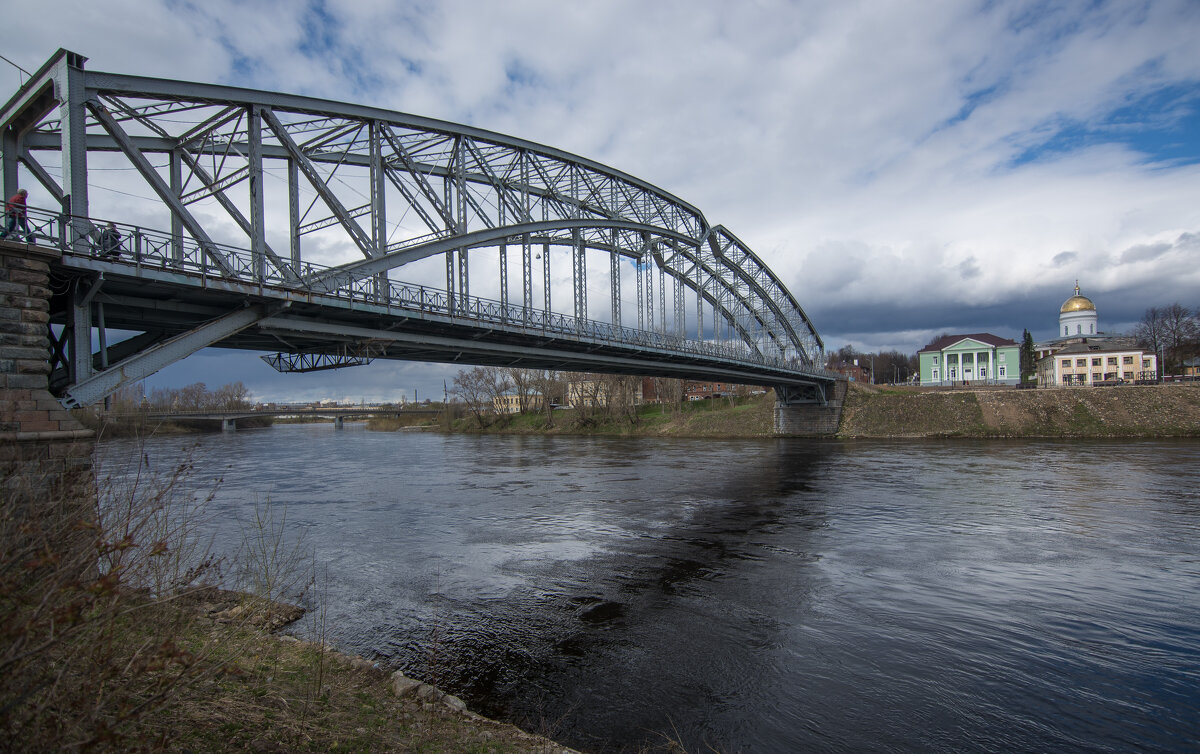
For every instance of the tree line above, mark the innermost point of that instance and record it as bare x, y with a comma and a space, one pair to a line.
593, 396
883, 366
195, 397
1173, 332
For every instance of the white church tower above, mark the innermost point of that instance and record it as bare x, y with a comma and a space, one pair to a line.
1077, 317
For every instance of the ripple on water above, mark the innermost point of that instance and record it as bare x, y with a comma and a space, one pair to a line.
758, 595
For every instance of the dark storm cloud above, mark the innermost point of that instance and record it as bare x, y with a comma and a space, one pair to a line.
908, 328
1145, 252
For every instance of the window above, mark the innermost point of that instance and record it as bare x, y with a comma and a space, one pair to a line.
935, 373
1081, 362
1001, 372
1145, 363
1000, 358
935, 361
1079, 329
1127, 375
1066, 364
1066, 330
1127, 360
1096, 362
1097, 377
1112, 361
1091, 329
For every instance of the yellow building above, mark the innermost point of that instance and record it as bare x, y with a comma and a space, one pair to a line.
1084, 363
510, 403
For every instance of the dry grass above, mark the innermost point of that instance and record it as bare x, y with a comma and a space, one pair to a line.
113, 636
728, 418
1126, 411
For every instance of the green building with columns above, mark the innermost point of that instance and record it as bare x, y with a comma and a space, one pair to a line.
980, 358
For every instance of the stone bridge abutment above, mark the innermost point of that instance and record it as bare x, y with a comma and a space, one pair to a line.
812, 419
45, 454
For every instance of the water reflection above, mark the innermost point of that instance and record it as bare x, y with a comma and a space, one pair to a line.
760, 596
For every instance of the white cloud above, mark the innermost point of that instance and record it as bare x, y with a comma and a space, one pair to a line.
868, 151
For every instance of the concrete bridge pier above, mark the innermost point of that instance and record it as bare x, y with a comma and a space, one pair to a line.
228, 425
339, 422
45, 454
804, 415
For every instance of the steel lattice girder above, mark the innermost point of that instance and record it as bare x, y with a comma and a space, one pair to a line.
470, 188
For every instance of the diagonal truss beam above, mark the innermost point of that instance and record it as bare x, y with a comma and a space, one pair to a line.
160, 187
42, 176
360, 237
154, 358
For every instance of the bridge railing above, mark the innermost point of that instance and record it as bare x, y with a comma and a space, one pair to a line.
148, 248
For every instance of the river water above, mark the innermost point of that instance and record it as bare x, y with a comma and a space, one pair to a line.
754, 596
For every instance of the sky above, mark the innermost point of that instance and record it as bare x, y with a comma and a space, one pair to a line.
907, 169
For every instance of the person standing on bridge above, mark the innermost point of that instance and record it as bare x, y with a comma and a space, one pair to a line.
14, 212
110, 241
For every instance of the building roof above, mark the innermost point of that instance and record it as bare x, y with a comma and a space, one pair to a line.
1100, 337
944, 342
1099, 347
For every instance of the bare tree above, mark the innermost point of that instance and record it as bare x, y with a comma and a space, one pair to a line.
620, 395
1149, 332
549, 384
496, 383
585, 393
523, 382
1179, 332
477, 389
669, 391
233, 396
197, 397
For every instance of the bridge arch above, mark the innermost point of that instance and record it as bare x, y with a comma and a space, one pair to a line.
402, 191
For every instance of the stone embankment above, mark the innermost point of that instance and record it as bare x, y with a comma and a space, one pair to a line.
1171, 410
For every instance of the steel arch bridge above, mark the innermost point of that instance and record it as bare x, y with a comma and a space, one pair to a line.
333, 234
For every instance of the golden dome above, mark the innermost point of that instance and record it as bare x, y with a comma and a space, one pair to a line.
1077, 303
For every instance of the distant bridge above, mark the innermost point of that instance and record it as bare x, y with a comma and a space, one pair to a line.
237, 209
338, 415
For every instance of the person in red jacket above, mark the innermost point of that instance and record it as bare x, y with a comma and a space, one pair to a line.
14, 211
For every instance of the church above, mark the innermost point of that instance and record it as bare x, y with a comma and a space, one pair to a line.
1080, 354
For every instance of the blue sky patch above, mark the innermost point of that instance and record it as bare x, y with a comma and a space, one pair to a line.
1163, 125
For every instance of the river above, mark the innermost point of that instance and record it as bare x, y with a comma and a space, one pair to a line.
754, 596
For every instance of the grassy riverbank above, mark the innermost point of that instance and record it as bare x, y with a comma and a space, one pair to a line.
722, 417
1124, 411
199, 673
113, 637
896, 412
140, 425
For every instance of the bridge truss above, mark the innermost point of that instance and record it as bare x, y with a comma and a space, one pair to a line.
334, 234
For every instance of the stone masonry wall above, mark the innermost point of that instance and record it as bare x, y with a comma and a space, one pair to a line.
811, 420
43, 449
